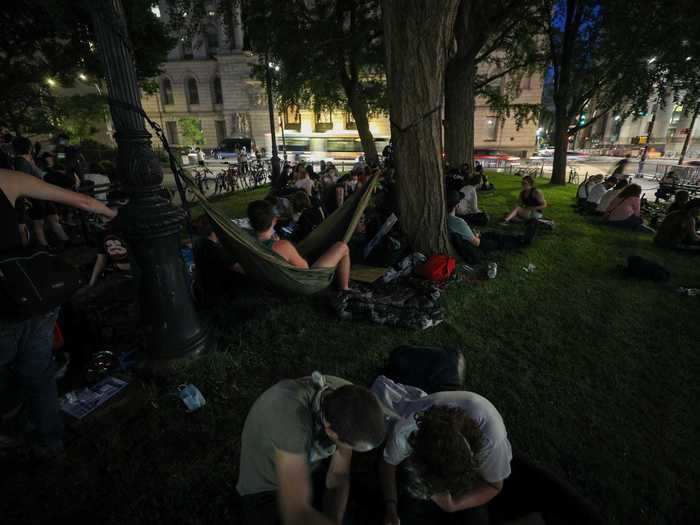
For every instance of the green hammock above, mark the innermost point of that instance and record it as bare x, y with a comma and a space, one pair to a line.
271, 270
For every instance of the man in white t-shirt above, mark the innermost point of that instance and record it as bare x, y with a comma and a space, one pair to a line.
452, 447
584, 189
597, 193
468, 207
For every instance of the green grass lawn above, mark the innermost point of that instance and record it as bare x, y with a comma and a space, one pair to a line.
595, 375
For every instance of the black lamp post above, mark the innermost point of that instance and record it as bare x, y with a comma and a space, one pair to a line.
152, 223
276, 169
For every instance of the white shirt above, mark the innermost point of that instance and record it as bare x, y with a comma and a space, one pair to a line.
585, 190
305, 184
597, 193
401, 403
606, 199
469, 204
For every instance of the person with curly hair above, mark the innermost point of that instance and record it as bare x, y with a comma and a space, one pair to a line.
450, 452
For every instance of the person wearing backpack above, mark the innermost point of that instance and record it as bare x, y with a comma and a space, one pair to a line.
26, 337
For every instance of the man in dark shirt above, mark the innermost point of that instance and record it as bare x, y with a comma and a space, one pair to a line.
216, 274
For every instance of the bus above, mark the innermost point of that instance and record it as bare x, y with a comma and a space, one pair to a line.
315, 147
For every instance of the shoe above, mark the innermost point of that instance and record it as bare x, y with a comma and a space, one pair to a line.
504, 223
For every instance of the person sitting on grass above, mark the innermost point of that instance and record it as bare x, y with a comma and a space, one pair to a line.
290, 430
306, 216
262, 219
679, 229
217, 275
624, 210
454, 452
608, 197
597, 193
470, 245
532, 202
679, 201
468, 207
584, 189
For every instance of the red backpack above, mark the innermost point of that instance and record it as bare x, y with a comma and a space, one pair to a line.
437, 268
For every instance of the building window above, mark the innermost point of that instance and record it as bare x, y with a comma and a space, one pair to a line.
187, 52
349, 121
220, 126
171, 131
292, 118
491, 128
323, 120
192, 91
166, 92
677, 114
212, 35
218, 92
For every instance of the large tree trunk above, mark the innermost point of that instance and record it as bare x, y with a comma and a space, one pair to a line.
459, 111
561, 146
359, 110
417, 36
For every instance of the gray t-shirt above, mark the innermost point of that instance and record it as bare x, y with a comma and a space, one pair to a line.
285, 417
459, 226
495, 455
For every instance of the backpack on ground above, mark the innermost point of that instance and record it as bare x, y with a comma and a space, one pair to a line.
641, 268
437, 268
36, 283
430, 368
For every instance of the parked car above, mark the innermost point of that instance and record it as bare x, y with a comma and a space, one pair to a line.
228, 147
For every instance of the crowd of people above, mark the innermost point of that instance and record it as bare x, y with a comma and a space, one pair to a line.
618, 203
442, 454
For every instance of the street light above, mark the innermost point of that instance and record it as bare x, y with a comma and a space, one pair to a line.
51, 82
651, 60
173, 331
82, 77
275, 161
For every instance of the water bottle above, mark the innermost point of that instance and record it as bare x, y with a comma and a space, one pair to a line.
492, 270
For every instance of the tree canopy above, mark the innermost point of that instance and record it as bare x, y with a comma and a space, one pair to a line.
46, 43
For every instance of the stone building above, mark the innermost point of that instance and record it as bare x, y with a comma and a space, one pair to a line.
210, 80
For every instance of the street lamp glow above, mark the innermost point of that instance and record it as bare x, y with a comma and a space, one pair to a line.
277, 68
211, 13
51, 82
270, 65
82, 76
617, 117
687, 59
652, 60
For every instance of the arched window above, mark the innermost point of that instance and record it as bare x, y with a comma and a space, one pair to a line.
166, 92
192, 91
218, 92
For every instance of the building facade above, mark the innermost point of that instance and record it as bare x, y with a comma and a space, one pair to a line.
671, 126
210, 81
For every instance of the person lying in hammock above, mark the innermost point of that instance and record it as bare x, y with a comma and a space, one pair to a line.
261, 215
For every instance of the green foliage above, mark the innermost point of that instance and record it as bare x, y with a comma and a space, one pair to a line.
53, 39
191, 130
80, 115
